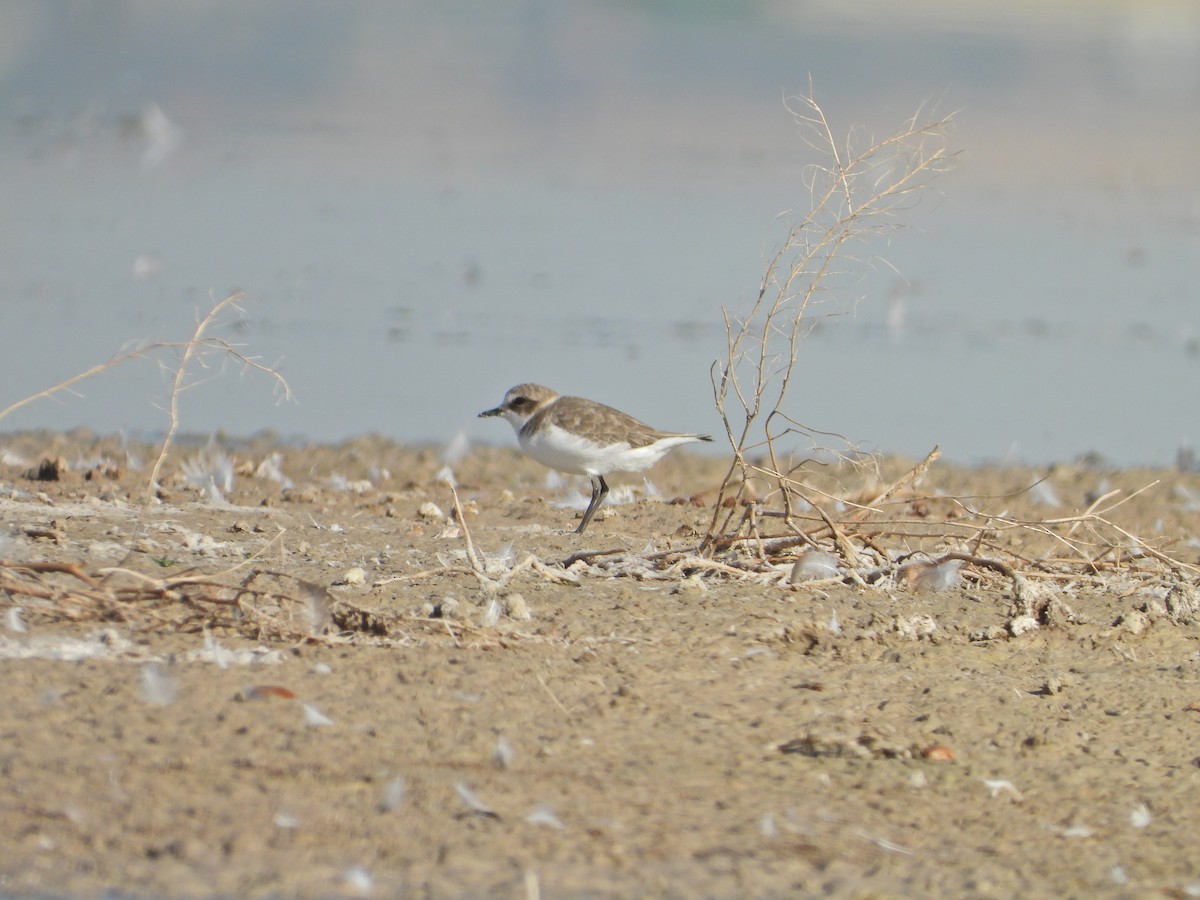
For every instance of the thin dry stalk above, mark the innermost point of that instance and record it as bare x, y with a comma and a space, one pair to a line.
550, 693
852, 198
912, 476
472, 556
193, 349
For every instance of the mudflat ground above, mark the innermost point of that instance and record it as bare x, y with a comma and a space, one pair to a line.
370, 715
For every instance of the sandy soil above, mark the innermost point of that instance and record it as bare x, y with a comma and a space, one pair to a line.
621, 735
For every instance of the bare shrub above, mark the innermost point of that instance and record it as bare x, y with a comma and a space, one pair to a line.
854, 196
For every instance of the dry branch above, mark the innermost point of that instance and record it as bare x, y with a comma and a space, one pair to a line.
853, 198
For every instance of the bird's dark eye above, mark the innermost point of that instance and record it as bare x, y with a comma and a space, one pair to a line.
520, 403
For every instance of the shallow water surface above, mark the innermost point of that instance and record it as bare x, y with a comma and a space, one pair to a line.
425, 205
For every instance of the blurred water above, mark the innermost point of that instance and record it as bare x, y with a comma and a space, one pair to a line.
428, 203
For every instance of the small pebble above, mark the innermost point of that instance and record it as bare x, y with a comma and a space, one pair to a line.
1021, 624
430, 510
515, 607
358, 879
937, 753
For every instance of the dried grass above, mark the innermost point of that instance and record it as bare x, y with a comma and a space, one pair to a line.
854, 199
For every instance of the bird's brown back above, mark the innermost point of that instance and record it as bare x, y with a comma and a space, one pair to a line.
601, 423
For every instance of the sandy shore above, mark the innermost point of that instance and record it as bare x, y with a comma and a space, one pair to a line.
617, 728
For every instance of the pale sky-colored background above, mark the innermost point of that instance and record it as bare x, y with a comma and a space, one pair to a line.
426, 203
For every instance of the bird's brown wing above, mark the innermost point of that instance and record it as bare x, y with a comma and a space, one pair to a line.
601, 423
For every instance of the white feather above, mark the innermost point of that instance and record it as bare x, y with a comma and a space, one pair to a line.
560, 449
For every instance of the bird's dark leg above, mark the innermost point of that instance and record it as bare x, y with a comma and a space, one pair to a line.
599, 492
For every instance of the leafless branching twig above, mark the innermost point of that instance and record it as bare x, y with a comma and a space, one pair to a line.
853, 197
